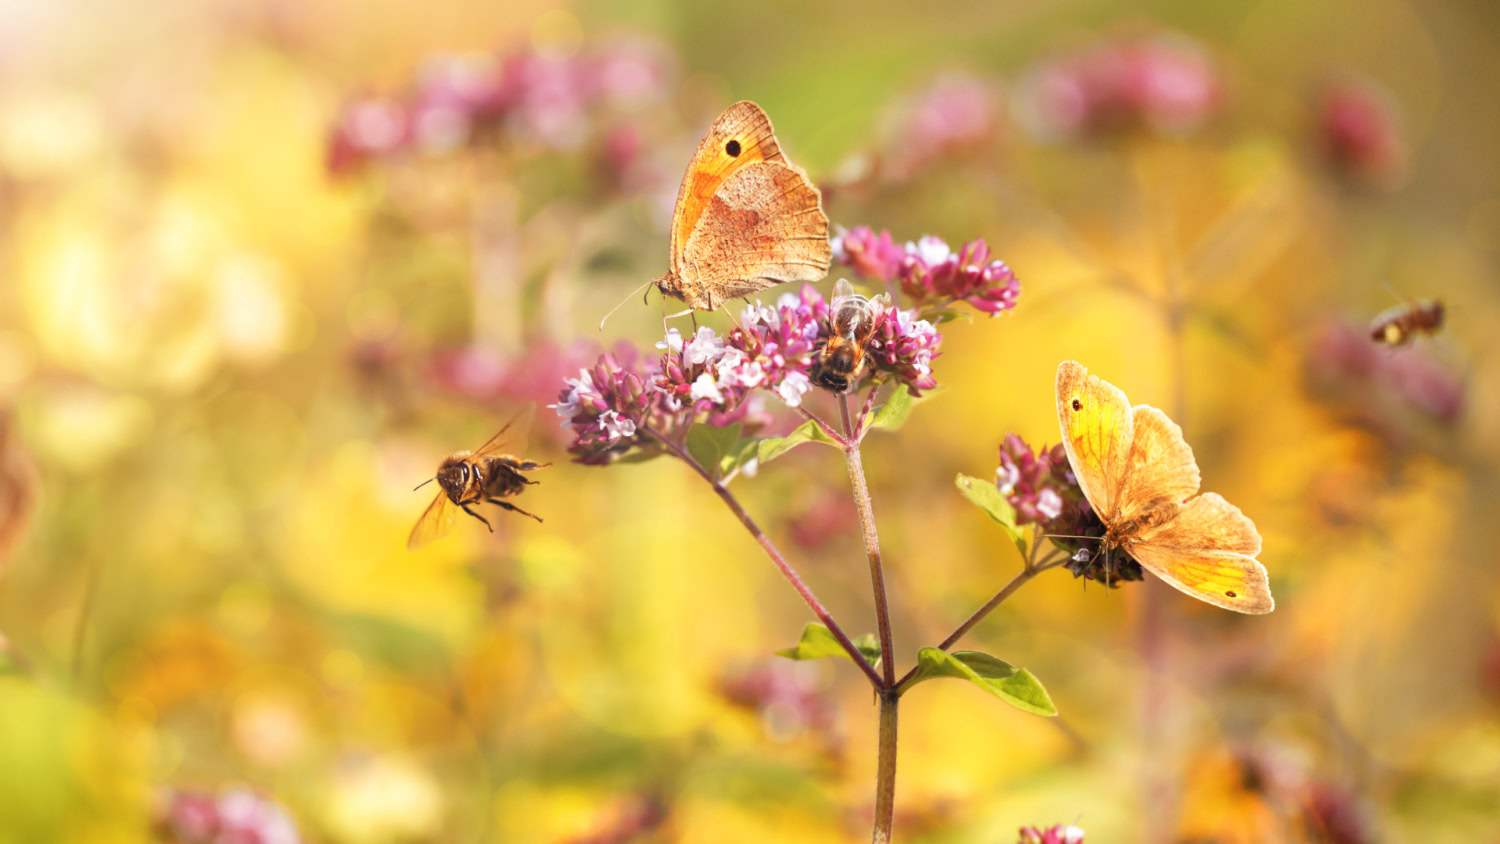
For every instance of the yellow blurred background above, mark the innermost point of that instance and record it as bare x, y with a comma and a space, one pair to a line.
244, 309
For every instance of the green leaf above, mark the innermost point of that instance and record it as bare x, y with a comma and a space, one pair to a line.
808, 432
986, 496
818, 641
1015, 686
893, 413
708, 444
742, 452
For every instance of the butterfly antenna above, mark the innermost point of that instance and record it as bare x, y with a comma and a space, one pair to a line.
424, 483
628, 297
724, 306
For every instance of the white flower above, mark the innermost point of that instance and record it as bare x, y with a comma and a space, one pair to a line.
792, 388
616, 426
929, 250
705, 388
787, 300
568, 406
757, 312
1049, 504
750, 467
705, 347
673, 341
752, 374
1072, 835
1006, 477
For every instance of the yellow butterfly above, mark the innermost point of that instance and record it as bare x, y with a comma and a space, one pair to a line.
1140, 477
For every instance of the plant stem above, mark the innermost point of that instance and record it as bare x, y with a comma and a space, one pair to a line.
1006, 591
885, 775
765, 542
822, 426
872, 540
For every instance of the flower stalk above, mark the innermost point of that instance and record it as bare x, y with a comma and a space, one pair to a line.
771, 551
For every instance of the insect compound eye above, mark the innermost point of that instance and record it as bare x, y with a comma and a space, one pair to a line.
733, 148
463, 471
1077, 405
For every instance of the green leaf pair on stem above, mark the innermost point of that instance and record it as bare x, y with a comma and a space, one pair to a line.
1016, 686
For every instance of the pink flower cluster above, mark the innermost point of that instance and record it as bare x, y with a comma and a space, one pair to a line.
1165, 83
930, 272
1360, 134
1043, 490
773, 350
235, 816
535, 96
1034, 483
1053, 835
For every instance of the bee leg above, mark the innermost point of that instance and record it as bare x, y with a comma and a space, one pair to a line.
479, 517
509, 506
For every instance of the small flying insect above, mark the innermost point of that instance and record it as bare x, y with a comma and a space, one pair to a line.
468, 478
853, 317
1396, 326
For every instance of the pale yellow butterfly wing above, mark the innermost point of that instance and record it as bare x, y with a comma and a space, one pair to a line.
1160, 467
1097, 427
1208, 551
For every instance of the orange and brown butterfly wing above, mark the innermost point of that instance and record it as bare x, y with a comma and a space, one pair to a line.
512, 434
1097, 435
434, 524
746, 218
765, 226
1208, 551
747, 126
1160, 466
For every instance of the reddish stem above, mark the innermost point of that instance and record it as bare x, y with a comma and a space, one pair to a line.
765, 542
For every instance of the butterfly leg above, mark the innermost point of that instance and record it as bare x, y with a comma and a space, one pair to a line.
509, 506
477, 516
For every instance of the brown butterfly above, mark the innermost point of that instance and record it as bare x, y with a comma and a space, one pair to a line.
468, 478
1139, 475
746, 218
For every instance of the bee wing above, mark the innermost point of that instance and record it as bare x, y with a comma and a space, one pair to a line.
434, 524
512, 435
843, 291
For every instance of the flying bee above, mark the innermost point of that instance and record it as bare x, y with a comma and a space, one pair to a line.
853, 317
468, 478
1397, 326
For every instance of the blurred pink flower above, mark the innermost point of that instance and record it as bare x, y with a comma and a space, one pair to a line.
234, 816
1344, 364
956, 112
546, 100
787, 696
1052, 835
1360, 134
367, 128
1164, 83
